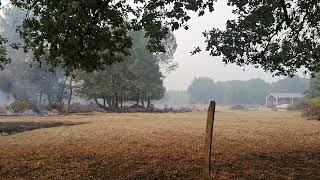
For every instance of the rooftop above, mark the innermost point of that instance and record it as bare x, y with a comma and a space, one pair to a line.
287, 95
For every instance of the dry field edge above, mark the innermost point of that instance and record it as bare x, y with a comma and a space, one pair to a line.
246, 145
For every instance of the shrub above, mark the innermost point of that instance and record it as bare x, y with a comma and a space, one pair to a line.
314, 102
313, 110
20, 106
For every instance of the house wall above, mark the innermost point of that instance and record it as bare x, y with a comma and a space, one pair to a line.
284, 101
271, 102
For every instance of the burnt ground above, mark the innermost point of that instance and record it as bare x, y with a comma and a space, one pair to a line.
9, 128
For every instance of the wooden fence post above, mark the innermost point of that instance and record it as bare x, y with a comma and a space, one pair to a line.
208, 140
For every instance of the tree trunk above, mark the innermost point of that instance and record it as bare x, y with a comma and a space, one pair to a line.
60, 98
121, 102
40, 97
142, 102
49, 102
109, 102
116, 102
149, 102
70, 94
100, 105
112, 103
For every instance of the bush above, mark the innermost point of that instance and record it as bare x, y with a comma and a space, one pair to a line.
314, 102
20, 106
313, 110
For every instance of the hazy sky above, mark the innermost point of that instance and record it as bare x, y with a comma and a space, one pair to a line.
203, 64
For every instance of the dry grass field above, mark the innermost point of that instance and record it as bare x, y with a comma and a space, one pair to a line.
247, 145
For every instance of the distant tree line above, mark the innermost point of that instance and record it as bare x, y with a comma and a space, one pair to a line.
254, 91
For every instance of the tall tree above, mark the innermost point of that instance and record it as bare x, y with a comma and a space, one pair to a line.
314, 88
257, 90
3, 55
280, 36
148, 81
138, 78
109, 85
165, 59
233, 92
295, 84
2, 40
10, 20
202, 90
87, 35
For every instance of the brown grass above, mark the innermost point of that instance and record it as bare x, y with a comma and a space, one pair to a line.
247, 145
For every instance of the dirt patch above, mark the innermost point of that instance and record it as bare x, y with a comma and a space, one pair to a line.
9, 128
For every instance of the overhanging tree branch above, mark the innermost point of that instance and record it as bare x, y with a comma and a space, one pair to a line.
285, 11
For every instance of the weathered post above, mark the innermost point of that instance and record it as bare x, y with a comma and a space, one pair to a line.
208, 140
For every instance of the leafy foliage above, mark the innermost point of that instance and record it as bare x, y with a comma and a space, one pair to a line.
313, 109
26, 81
294, 85
89, 35
201, 90
75, 35
10, 20
280, 36
138, 78
314, 89
314, 102
3, 56
3, 59
20, 106
50, 87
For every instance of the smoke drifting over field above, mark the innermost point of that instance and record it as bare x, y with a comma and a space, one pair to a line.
4, 98
6, 90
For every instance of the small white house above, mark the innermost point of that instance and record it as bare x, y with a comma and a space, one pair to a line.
276, 99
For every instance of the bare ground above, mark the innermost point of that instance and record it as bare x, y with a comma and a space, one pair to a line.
247, 145
9, 128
